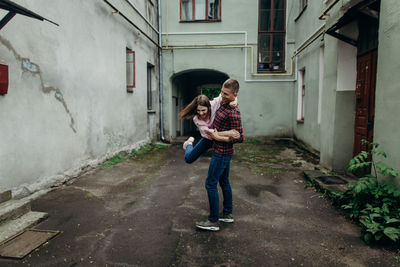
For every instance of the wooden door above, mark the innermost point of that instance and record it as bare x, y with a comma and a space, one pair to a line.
365, 100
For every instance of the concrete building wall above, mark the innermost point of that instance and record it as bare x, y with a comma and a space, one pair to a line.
387, 101
67, 105
265, 101
329, 103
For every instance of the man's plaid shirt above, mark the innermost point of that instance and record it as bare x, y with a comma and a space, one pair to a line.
227, 118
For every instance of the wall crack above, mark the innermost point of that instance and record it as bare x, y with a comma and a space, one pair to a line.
33, 68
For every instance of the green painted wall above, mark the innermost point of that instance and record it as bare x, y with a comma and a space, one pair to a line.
266, 106
332, 135
387, 101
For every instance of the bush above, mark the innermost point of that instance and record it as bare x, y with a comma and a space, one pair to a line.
374, 204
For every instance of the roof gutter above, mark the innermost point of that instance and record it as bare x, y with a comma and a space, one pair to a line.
14, 9
131, 22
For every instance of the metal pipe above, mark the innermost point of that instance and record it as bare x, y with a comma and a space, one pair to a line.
310, 39
231, 46
160, 76
166, 25
325, 12
143, 17
133, 24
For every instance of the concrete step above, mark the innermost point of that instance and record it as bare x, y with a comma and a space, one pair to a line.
13, 209
5, 195
13, 227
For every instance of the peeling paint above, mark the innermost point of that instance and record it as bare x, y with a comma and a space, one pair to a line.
27, 65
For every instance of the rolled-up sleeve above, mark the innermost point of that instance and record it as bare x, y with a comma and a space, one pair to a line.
236, 124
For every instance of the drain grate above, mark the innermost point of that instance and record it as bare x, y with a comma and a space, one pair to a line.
22, 244
331, 179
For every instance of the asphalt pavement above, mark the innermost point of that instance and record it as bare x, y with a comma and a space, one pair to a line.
142, 212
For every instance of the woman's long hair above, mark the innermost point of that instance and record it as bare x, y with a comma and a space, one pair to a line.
191, 110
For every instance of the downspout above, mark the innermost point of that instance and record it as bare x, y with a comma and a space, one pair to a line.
160, 76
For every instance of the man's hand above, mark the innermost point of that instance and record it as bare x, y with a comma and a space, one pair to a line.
212, 133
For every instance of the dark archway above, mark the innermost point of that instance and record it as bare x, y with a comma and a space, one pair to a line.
187, 85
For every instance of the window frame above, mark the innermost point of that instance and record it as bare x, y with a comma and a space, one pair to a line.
273, 34
194, 12
301, 95
129, 87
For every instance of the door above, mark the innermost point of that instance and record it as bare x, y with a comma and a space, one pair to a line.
365, 100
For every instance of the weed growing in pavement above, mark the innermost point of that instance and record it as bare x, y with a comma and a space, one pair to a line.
117, 158
374, 204
112, 161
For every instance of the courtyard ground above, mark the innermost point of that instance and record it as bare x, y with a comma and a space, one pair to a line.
141, 212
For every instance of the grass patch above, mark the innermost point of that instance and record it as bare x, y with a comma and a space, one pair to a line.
112, 161
252, 142
117, 158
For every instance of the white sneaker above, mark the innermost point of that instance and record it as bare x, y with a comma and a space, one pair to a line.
188, 142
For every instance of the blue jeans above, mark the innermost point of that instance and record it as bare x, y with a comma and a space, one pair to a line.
219, 172
193, 153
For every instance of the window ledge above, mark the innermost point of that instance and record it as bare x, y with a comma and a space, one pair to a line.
200, 21
301, 121
301, 12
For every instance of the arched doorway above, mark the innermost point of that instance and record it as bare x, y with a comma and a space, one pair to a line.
185, 86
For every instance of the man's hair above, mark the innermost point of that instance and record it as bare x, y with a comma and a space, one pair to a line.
232, 84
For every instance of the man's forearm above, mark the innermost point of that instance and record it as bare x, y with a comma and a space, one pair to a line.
221, 138
229, 133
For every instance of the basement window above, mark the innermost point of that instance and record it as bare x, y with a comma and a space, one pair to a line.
200, 10
130, 70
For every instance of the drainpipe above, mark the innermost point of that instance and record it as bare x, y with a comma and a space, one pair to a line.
160, 76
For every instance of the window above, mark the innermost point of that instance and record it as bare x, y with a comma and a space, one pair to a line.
150, 68
301, 95
130, 70
200, 10
271, 36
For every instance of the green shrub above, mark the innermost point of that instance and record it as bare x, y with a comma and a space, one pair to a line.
374, 204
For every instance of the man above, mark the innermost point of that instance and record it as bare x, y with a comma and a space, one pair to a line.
226, 118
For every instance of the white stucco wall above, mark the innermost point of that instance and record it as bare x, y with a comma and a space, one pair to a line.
67, 105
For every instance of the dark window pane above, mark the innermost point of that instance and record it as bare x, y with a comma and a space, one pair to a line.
279, 4
265, 21
265, 4
278, 42
213, 9
277, 55
264, 56
265, 42
279, 20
